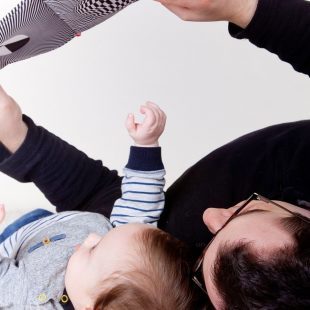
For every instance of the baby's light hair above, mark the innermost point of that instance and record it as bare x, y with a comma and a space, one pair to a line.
161, 279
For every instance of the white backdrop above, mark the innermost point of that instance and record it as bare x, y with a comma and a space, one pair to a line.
213, 88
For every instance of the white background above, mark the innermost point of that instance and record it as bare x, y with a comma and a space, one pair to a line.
213, 88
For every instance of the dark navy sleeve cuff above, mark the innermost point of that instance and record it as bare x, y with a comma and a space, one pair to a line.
145, 159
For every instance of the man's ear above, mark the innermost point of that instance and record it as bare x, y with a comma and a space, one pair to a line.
215, 218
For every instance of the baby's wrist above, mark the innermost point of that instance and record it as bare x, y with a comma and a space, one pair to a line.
153, 144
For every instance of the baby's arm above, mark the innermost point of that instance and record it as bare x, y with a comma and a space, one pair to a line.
143, 197
67, 177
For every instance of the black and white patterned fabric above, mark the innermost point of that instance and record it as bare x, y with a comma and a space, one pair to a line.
38, 26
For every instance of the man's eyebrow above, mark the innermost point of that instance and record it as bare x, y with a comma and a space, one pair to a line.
250, 212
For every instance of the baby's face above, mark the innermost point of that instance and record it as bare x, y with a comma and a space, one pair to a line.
97, 258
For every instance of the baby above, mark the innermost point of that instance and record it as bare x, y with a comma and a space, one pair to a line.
83, 258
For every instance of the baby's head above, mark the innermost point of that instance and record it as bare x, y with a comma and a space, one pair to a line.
134, 266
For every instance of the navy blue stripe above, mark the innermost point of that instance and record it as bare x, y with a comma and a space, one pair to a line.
146, 216
132, 208
32, 227
137, 192
49, 219
139, 177
119, 222
152, 222
142, 201
141, 183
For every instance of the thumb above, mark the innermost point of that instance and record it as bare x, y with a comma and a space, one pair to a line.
130, 123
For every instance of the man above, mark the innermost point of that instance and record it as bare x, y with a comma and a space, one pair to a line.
265, 252
265, 241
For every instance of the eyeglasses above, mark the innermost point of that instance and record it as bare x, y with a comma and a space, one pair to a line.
198, 272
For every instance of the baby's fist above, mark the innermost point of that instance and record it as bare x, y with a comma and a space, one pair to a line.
148, 132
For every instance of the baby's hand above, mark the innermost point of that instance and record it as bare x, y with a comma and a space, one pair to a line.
2, 212
12, 128
148, 132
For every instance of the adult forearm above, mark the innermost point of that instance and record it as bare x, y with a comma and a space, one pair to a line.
283, 28
66, 176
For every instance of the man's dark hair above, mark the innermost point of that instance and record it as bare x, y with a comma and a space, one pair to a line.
279, 281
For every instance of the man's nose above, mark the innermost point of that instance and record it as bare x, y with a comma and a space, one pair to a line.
215, 218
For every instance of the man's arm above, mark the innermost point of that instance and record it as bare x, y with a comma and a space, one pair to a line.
143, 197
69, 179
280, 26
283, 28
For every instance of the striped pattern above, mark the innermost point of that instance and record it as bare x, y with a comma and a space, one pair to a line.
142, 198
10, 247
35, 20
85, 14
46, 25
13, 44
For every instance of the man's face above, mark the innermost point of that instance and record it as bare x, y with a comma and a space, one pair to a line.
258, 223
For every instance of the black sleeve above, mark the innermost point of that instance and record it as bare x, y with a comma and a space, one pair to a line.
282, 27
68, 178
273, 161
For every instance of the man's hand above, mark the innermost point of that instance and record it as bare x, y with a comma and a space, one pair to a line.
12, 128
239, 12
148, 132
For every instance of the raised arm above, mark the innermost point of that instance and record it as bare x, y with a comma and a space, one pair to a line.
143, 197
69, 179
280, 26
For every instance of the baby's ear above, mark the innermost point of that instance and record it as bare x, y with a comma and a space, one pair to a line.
88, 308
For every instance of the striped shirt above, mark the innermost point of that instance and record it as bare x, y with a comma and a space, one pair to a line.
9, 248
142, 198
142, 201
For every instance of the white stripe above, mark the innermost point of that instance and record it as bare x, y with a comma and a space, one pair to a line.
14, 242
